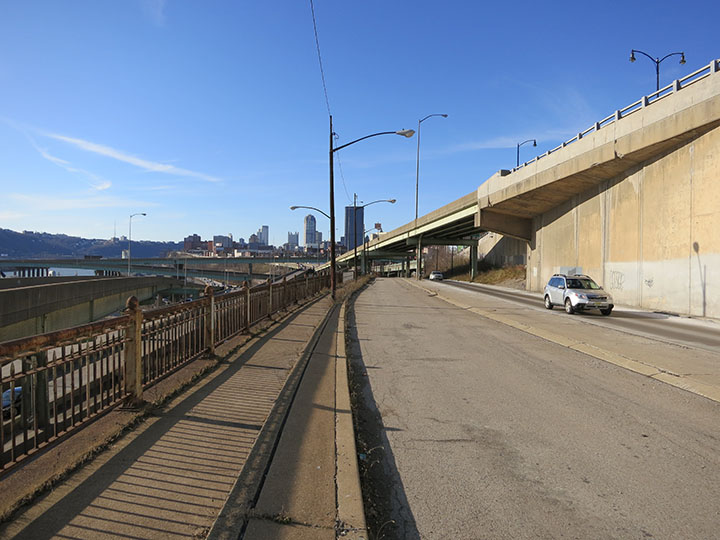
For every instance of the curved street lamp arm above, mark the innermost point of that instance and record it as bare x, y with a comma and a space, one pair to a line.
363, 138
391, 201
529, 140
672, 54
310, 208
430, 116
633, 51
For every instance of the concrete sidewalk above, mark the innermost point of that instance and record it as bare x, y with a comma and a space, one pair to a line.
311, 489
172, 475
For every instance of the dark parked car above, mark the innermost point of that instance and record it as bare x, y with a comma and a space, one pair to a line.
11, 409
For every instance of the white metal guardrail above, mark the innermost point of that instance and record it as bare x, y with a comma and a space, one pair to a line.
677, 85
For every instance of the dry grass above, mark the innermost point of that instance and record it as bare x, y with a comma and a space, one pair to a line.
508, 276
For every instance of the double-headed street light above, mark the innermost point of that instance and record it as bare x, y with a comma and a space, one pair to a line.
405, 133
657, 61
130, 236
517, 162
417, 162
355, 207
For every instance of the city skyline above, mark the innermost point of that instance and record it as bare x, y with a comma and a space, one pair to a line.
212, 119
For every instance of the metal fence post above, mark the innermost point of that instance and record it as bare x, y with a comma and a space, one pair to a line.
210, 320
42, 403
248, 311
133, 351
270, 297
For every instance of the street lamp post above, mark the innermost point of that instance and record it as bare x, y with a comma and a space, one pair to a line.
417, 162
517, 162
130, 236
405, 133
317, 210
377, 226
355, 242
657, 61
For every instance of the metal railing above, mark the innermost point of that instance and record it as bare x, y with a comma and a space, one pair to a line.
675, 86
53, 383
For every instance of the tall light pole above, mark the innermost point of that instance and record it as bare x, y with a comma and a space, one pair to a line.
377, 227
405, 133
657, 61
355, 207
130, 236
517, 162
417, 162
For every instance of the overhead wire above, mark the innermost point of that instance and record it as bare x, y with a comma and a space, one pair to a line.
327, 100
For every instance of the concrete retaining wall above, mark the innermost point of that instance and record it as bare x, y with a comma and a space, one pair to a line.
651, 235
500, 250
27, 311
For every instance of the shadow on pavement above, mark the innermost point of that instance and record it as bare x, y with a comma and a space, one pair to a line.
387, 509
80, 501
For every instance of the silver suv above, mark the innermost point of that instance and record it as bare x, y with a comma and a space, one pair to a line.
577, 293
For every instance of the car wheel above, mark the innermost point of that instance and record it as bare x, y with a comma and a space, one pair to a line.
548, 303
607, 311
569, 309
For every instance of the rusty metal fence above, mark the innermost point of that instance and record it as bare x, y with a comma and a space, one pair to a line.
53, 383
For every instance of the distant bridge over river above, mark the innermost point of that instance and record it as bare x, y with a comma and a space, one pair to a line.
228, 270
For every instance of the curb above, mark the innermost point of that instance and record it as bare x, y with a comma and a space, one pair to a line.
350, 512
231, 521
684, 383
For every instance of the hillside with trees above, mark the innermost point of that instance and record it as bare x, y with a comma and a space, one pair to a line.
40, 245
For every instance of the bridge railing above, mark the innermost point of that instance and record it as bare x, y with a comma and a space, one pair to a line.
53, 383
677, 85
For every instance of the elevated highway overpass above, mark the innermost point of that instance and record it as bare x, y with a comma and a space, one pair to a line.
234, 269
632, 200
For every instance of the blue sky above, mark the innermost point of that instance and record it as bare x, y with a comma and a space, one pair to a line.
211, 118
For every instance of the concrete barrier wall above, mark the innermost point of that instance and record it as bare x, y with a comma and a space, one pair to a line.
45, 308
500, 250
651, 235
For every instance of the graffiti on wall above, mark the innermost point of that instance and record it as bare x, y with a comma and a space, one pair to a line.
617, 280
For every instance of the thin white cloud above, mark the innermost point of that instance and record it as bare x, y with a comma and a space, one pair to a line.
98, 183
12, 215
55, 204
151, 166
102, 186
155, 9
508, 141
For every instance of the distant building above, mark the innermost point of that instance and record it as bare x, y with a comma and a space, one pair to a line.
263, 235
222, 244
193, 242
310, 231
354, 226
293, 240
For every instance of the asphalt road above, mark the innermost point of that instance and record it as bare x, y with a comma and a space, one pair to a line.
663, 326
494, 433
